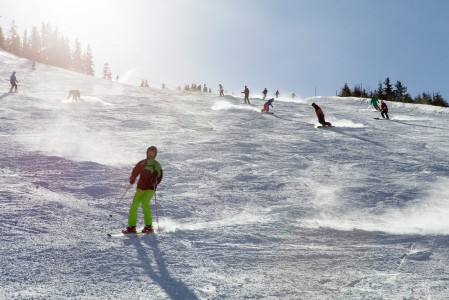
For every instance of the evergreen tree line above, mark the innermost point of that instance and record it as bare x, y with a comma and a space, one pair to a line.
48, 46
397, 92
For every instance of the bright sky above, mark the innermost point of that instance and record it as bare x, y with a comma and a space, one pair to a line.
290, 45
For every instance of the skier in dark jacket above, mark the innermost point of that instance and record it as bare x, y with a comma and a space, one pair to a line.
264, 92
150, 175
320, 115
14, 82
384, 110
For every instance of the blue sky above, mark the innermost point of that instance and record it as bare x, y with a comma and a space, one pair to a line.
287, 45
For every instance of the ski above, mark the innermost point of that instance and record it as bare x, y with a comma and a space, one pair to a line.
325, 126
135, 234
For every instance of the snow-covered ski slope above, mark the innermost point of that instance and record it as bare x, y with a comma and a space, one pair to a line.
251, 206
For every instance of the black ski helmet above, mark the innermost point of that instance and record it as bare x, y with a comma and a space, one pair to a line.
152, 148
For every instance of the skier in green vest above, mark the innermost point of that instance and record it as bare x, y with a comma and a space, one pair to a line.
150, 175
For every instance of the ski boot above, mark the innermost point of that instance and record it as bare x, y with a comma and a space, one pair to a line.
129, 229
147, 229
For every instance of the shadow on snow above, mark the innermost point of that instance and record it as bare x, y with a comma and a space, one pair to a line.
174, 288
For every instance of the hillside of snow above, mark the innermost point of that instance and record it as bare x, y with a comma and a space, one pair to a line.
252, 206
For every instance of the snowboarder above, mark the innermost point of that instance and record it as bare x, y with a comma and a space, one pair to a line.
150, 175
75, 94
374, 103
266, 106
320, 115
265, 92
384, 109
277, 93
14, 82
246, 92
221, 90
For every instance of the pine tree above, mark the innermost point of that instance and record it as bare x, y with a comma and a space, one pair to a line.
107, 74
379, 94
345, 91
26, 47
423, 98
77, 61
36, 45
408, 98
2, 39
45, 41
88, 62
400, 92
54, 50
438, 100
357, 92
388, 90
13, 40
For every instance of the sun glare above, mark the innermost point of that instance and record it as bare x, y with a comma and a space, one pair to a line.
75, 18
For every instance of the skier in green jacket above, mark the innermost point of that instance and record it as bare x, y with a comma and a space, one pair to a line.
150, 175
374, 103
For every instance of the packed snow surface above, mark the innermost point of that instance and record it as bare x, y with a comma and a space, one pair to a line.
252, 206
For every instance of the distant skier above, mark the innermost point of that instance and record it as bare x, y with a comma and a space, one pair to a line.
320, 115
293, 95
246, 92
14, 82
277, 93
150, 175
221, 90
266, 106
384, 109
374, 103
33, 66
264, 92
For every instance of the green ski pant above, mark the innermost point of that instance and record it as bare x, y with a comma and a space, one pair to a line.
144, 197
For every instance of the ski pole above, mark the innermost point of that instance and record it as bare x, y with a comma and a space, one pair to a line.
121, 198
155, 207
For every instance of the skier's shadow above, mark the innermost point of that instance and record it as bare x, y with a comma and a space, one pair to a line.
342, 131
174, 288
4, 95
280, 117
417, 125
